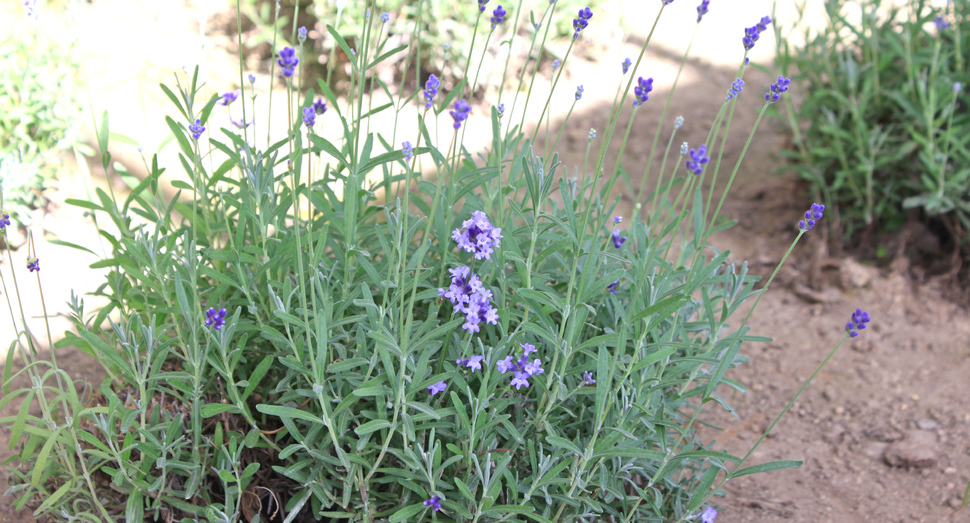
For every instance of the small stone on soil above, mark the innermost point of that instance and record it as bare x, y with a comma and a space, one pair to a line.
917, 450
927, 424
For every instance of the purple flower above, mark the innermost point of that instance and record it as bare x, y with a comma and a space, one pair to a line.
309, 116
435, 501
481, 5
522, 369
30, 8
698, 157
252, 79
534, 367
196, 129
579, 92
780, 86
301, 34
588, 378
520, 380
215, 319
857, 323
528, 348
642, 90
702, 9
751, 34
735, 89
228, 98
957, 87
811, 216
580, 23
474, 363
505, 365
288, 61
460, 114
708, 515
239, 123
500, 109
33, 264
617, 220
498, 16
385, 17
471, 298
431, 90
434, 389
612, 287
555, 65
319, 106
4, 221
940, 23
617, 241
408, 151
626, 65
477, 235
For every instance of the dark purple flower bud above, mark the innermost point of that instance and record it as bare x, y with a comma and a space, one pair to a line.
735, 89
617, 241
498, 16
4, 221
780, 86
301, 34
288, 61
33, 264
642, 90
940, 23
579, 92
196, 129
751, 34
408, 151
612, 287
481, 5
702, 9
215, 318
626, 65
431, 90
617, 220
309, 116
435, 501
434, 389
228, 98
582, 22
857, 323
460, 114
319, 106
698, 157
811, 216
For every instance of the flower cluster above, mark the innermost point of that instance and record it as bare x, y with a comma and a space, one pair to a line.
481, 5
477, 235
582, 22
642, 91
626, 65
288, 61
408, 151
579, 92
319, 106
588, 379
435, 502
617, 241
385, 17
460, 114
500, 109
436, 388
196, 129
811, 216
751, 34
857, 323
522, 369
309, 116
498, 16
592, 134
431, 90
780, 86
702, 9
555, 65
474, 363
215, 319
301, 34
33, 264
4, 221
698, 157
735, 89
678, 122
471, 298
228, 98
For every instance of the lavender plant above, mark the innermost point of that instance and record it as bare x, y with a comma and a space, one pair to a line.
489, 346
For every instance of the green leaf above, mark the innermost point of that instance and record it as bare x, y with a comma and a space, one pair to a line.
619, 452
288, 412
564, 443
214, 409
407, 512
372, 426
766, 467
135, 507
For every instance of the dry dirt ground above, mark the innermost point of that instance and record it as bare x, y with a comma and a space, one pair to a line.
898, 390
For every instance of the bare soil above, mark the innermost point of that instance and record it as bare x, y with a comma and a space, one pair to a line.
906, 377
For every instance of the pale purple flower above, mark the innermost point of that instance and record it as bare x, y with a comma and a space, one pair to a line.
460, 114
520, 380
474, 363
408, 151
941, 23
228, 98
534, 367
505, 365
702, 9
612, 287
385, 17
481, 5
626, 65
698, 157
588, 379
30, 8
288, 61
309, 116
436, 388
811, 216
431, 90
500, 109
434, 503
196, 129
319, 106
301, 34
528, 348
579, 92
477, 235
708, 515
4, 221
555, 65
617, 220
735, 89
617, 241
252, 79
471, 298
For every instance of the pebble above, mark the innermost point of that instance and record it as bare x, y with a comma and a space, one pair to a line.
853, 275
834, 435
927, 424
918, 449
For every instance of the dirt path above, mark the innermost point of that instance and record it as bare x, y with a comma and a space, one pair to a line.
906, 377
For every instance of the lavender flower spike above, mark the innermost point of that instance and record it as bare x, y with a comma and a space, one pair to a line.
498, 16
751, 34
408, 151
434, 503
309, 116
617, 241
477, 235
196, 129
481, 5
780, 86
588, 378
582, 21
697, 160
301, 34
735, 89
626, 65
288, 61
319, 106
385, 17
215, 319
460, 114
431, 90
4, 221
33, 264
228, 98
579, 92
857, 323
811, 216
642, 90
702, 9
471, 298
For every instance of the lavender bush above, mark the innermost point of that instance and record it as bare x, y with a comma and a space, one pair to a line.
496, 345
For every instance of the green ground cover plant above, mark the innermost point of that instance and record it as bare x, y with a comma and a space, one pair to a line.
487, 343
881, 133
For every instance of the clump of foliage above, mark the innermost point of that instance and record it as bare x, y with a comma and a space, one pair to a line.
882, 129
494, 345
